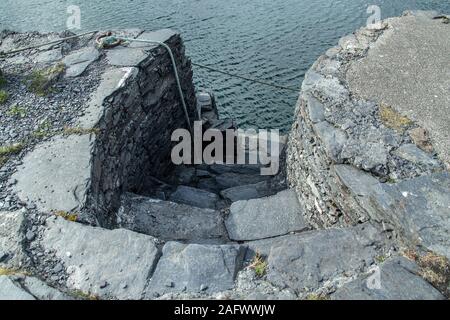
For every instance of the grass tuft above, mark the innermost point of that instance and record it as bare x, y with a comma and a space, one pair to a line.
381, 258
42, 80
11, 149
66, 215
259, 265
313, 296
12, 272
17, 111
43, 130
3, 96
83, 295
6, 151
434, 268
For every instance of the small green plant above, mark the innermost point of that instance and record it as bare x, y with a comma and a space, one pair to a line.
3, 96
313, 296
6, 151
43, 130
17, 111
381, 258
83, 295
66, 215
11, 149
259, 265
391, 180
12, 272
42, 80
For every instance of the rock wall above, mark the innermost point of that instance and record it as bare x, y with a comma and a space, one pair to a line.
138, 121
353, 159
118, 137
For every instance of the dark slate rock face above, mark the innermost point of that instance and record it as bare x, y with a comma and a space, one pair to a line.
396, 279
250, 191
209, 184
266, 217
236, 168
231, 179
304, 261
195, 268
195, 197
170, 221
139, 119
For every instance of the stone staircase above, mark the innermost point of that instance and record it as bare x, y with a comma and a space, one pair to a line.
186, 238
204, 231
188, 241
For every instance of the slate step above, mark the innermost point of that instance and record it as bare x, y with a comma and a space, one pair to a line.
231, 179
235, 168
419, 207
12, 254
266, 217
395, 279
195, 268
195, 197
12, 291
251, 191
21, 287
169, 220
305, 261
209, 184
104, 263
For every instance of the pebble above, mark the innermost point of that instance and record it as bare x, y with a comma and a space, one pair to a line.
58, 268
54, 278
30, 235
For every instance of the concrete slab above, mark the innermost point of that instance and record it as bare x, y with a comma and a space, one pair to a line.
100, 262
408, 68
170, 221
11, 237
56, 173
266, 217
396, 279
195, 268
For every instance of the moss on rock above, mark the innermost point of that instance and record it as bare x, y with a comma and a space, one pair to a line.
41, 81
3, 96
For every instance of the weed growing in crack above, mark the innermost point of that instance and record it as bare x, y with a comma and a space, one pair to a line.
259, 265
